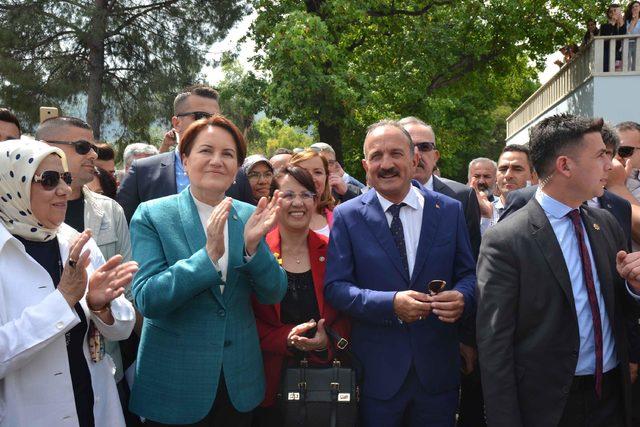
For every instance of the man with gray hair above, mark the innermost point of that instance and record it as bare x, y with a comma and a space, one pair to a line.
137, 151
424, 141
482, 178
343, 186
163, 175
403, 332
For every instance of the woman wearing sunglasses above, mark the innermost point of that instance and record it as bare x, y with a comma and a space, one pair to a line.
297, 326
58, 296
202, 255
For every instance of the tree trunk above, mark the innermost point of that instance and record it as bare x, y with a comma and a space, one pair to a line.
330, 134
96, 41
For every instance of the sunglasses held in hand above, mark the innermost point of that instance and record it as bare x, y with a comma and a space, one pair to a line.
436, 286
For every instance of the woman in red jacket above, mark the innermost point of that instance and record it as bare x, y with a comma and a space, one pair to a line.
295, 328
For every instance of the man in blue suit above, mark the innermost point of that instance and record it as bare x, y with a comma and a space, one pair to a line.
386, 246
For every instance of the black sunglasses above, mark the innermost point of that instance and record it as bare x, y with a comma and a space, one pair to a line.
50, 179
626, 151
82, 147
425, 146
196, 114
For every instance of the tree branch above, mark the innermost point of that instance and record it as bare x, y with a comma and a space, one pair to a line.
392, 11
132, 18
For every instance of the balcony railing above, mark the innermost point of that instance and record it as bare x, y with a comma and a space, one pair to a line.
589, 62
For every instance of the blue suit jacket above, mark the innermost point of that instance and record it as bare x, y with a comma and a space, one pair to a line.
191, 330
364, 272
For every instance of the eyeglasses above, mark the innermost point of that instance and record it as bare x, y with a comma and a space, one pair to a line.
50, 179
82, 147
196, 114
626, 151
425, 146
257, 176
290, 196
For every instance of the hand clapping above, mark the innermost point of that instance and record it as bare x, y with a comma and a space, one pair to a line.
261, 222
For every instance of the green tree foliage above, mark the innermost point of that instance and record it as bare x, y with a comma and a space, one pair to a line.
271, 134
461, 65
241, 95
129, 55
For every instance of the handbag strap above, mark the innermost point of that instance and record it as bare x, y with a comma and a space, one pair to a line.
342, 345
335, 391
302, 388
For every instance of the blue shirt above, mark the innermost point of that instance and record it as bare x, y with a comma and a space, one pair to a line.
565, 233
182, 180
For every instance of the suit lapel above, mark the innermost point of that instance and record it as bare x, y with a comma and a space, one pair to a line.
195, 234
317, 268
168, 171
543, 234
599, 250
376, 220
428, 231
236, 250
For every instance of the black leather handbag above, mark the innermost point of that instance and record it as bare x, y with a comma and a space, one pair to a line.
320, 396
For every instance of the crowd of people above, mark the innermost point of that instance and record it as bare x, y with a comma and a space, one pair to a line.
618, 23
180, 291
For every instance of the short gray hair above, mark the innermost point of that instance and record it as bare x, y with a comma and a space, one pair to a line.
137, 149
475, 161
322, 146
389, 123
411, 120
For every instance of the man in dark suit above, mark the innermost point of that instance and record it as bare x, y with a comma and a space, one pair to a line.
424, 140
162, 175
553, 302
386, 246
471, 411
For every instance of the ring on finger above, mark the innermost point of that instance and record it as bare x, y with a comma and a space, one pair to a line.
73, 263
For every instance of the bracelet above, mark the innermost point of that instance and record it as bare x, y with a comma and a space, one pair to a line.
104, 309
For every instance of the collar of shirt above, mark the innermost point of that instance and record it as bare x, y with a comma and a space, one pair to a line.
429, 184
412, 199
182, 180
551, 206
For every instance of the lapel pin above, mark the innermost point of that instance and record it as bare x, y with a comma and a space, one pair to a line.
596, 226
437, 206
321, 259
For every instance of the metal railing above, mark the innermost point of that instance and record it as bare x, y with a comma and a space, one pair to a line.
587, 63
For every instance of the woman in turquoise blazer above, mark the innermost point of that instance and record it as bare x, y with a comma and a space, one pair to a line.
202, 255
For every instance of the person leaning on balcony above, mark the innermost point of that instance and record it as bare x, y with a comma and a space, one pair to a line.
631, 15
592, 31
614, 27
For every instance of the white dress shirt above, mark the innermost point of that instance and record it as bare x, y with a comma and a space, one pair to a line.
411, 218
204, 212
429, 184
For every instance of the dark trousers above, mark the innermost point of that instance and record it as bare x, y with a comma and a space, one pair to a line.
471, 411
412, 406
584, 409
222, 413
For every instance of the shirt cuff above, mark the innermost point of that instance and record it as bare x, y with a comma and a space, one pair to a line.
632, 292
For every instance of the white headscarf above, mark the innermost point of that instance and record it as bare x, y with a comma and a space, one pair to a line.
19, 160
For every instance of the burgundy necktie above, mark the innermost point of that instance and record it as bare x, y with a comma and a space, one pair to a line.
591, 291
